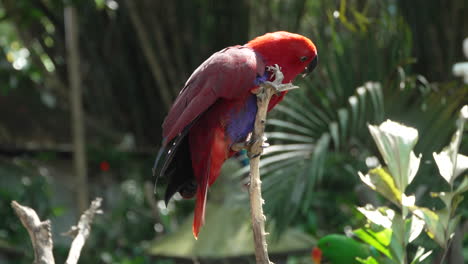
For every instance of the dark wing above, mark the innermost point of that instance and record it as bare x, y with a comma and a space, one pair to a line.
226, 74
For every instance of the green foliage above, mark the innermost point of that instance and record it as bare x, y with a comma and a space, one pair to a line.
319, 134
396, 143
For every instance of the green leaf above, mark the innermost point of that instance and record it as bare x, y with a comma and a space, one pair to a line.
379, 180
288, 147
420, 255
369, 260
446, 166
416, 226
290, 137
434, 224
463, 187
335, 134
379, 240
290, 126
381, 216
395, 143
451, 164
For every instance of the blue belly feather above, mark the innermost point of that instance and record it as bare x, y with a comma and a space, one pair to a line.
241, 121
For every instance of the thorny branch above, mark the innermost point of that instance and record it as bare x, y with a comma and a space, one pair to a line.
255, 147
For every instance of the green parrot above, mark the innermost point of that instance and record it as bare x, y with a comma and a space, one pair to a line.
340, 249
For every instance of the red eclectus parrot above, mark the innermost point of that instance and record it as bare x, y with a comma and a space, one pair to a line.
216, 109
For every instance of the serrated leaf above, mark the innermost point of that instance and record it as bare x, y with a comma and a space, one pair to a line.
379, 180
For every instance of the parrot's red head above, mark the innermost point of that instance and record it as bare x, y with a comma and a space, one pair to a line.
294, 53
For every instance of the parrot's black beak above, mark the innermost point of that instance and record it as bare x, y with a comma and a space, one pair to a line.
310, 67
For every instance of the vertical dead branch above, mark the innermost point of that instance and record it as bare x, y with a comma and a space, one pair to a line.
266, 91
78, 132
256, 200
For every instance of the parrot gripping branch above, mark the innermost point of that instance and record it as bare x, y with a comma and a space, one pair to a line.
255, 147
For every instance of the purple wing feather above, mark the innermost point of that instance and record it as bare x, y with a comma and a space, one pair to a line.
226, 74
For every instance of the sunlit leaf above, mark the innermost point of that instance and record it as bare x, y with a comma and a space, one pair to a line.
380, 216
343, 121
396, 142
420, 255
288, 147
289, 125
434, 226
446, 166
379, 240
264, 162
369, 260
451, 164
299, 116
334, 134
379, 180
290, 137
415, 229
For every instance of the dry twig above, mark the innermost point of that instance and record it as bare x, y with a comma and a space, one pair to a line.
41, 236
81, 231
39, 232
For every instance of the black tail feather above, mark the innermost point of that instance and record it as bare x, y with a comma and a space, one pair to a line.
177, 167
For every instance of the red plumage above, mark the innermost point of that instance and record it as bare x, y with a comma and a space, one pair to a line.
214, 110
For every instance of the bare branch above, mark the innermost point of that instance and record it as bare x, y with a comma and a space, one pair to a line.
264, 94
81, 231
39, 232
41, 236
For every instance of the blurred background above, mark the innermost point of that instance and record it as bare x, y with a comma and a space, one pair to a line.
379, 60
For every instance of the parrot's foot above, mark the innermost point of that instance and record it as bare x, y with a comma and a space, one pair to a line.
279, 77
246, 144
239, 146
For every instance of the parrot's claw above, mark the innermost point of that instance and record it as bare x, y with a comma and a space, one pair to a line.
279, 77
257, 90
239, 146
276, 73
265, 144
252, 155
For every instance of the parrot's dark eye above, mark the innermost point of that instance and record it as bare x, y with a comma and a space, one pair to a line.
303, 58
